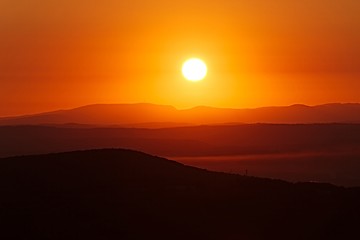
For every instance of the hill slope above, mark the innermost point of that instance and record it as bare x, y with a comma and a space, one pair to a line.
296, 152
156, 116
123, 194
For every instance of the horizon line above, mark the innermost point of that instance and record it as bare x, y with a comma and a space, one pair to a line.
176, 108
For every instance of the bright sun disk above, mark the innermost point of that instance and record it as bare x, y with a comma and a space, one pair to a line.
194, 69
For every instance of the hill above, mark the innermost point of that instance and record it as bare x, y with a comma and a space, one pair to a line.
124, 194
295, 152
157, 116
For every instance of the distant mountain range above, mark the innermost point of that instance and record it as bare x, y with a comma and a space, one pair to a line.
158, 116
123, 194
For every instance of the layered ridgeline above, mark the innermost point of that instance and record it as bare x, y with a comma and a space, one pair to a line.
327, 151
123, 194
154, 116
295, 152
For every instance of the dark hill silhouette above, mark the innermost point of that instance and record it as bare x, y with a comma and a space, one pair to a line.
157, 116
123, 194
318, 152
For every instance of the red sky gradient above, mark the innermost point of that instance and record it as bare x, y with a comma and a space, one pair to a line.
63, 54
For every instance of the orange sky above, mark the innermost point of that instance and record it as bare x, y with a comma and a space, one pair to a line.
63, 54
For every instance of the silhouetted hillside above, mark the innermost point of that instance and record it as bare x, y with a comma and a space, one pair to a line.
311, 152
157, 116
123, 194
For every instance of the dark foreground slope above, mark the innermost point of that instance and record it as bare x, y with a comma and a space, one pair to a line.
123, 194
295, 152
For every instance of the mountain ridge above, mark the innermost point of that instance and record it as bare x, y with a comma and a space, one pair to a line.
143, 113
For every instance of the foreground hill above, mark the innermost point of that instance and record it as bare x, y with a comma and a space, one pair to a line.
295, 152
157, 116
123, 194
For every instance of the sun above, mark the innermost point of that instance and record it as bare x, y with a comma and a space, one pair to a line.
194, 69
